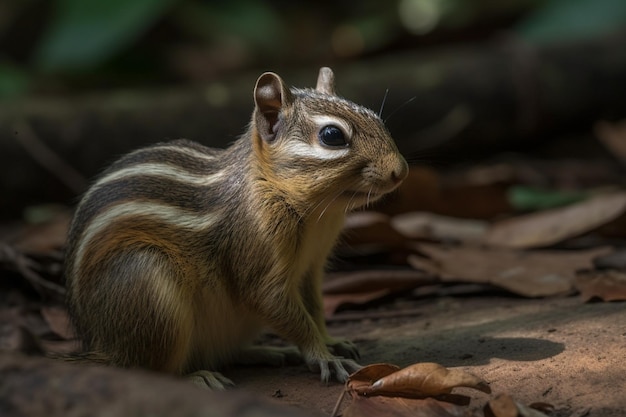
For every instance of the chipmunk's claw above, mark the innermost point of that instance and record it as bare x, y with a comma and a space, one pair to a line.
341, 368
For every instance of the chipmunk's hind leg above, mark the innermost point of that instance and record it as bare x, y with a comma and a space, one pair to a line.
211, 380
143, 318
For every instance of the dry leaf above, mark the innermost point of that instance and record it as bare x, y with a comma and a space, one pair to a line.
613, 260
59, 321
419, 191
530, 274
332, 302
361, 219
613, 136
402, 407
364, 286
374, 280
360, 380
504, 406
18, 338
45, 237
369, 231
416, 381
552, 226
420, 225
608, 285
425, 190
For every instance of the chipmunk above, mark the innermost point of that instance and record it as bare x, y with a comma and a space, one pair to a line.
179, 254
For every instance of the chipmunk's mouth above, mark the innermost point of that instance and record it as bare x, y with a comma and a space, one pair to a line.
370, 194
362, 195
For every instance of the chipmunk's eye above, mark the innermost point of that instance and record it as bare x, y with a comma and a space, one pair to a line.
332, 136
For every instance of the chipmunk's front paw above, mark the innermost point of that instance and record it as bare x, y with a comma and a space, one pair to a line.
339, 367
343, 348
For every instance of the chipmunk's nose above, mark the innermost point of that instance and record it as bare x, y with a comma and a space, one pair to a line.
400, 171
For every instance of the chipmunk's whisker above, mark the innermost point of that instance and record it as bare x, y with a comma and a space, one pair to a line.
399, 107
382, 105
328, 205
369, 194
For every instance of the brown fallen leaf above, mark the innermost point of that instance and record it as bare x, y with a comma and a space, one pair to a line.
613, 137
505, 406
526, 273
614, 260
607, 285
332, 302
421, 225
367, 231
548, 227
45, 236
364, 286
420, 380
426, 190
18, 338
374, 280
360, 380
59, 321
403, 407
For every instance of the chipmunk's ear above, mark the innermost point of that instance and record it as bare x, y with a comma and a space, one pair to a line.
326, 81
270, 96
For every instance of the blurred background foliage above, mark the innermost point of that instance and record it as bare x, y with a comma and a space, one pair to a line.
64, 46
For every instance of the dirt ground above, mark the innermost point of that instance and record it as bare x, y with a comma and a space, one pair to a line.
558, 351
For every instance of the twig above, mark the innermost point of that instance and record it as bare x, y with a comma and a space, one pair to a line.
23, 265
48, 159
339, 401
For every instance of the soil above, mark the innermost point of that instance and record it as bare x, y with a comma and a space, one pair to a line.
557, 351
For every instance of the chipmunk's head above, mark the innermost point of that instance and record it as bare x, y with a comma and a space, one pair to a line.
322, 150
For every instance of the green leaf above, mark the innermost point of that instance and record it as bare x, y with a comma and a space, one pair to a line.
557, 20
86, 33
532, 198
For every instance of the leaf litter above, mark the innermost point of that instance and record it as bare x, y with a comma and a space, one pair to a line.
549, 227
504, 405
424, 389
515, 254
526, 273
419, 380
605, 285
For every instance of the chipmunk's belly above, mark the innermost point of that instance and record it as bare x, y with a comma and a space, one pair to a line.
221, 328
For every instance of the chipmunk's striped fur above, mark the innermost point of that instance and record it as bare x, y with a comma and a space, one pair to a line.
179, 253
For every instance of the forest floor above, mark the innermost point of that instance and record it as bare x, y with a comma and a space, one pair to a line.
557, 351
